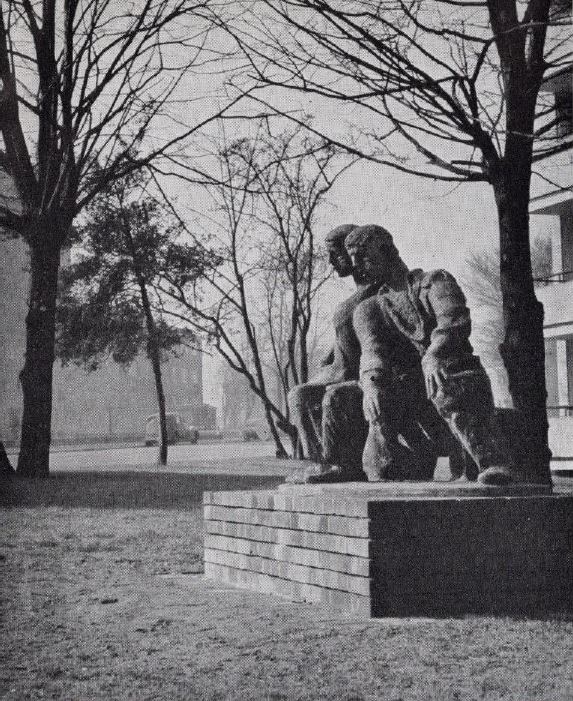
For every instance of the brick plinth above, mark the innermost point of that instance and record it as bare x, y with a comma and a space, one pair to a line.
396, 549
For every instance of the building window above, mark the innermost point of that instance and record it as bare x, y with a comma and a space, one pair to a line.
551, 377
566, 222
570, 372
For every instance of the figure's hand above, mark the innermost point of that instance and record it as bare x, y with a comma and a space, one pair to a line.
372, 403
328, 359
433, 374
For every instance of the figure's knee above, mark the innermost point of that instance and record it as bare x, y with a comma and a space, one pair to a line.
304, 396
331, 399
295, 395
342, 398
352, 391
298, 393
468, 393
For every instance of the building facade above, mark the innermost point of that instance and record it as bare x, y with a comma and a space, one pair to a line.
552, 212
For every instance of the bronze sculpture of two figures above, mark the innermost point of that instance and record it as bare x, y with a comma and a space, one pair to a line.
402, 385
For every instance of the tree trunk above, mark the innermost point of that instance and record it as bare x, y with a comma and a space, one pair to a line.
280, 451
304, 349
36, 376
156, 365
523, 349
152, 345
286, 426
153, 353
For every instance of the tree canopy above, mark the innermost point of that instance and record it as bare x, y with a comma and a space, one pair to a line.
127, 240
90, 91
433, 87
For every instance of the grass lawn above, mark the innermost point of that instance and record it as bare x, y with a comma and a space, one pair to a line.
102, 598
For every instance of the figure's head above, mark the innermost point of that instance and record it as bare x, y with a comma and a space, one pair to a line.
374, 256
337, 253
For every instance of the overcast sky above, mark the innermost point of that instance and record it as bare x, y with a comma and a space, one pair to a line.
434, 224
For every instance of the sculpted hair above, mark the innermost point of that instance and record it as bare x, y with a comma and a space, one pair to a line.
339, 233
361, 235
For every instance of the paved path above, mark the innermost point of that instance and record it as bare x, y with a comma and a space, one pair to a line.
240, 457
244, 458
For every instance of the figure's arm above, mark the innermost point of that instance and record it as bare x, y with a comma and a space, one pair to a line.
452, 317
375, 362
369, 328
450, 335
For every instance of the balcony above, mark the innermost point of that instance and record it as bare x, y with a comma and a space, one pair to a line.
556, 295
559, 410
561, 444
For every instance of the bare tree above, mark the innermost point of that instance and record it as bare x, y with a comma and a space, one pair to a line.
290, 341
482, 282
267, 196
444, 89
82, 83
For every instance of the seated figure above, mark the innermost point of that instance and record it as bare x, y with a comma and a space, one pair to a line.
414, 339
327, 410
322, 408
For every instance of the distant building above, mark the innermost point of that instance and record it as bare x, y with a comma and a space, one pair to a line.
13, 294
111, 402
240, 407
552, 207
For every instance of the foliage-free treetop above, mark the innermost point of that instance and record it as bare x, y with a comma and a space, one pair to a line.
446, 89
85, 84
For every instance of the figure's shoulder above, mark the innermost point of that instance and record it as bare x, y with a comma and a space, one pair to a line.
422, 278
438, 286
346, 308
367, 309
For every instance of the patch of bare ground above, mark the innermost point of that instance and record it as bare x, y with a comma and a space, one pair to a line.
102, 598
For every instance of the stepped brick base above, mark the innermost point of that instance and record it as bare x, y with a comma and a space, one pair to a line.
397, 548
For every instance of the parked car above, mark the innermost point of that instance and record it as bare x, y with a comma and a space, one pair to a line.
177, 431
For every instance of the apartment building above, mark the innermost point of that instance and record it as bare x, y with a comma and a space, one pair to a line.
552, 213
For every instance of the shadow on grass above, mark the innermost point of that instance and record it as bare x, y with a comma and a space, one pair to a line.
123, 490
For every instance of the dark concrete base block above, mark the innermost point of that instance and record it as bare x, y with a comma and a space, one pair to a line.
487, 555
397, 550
